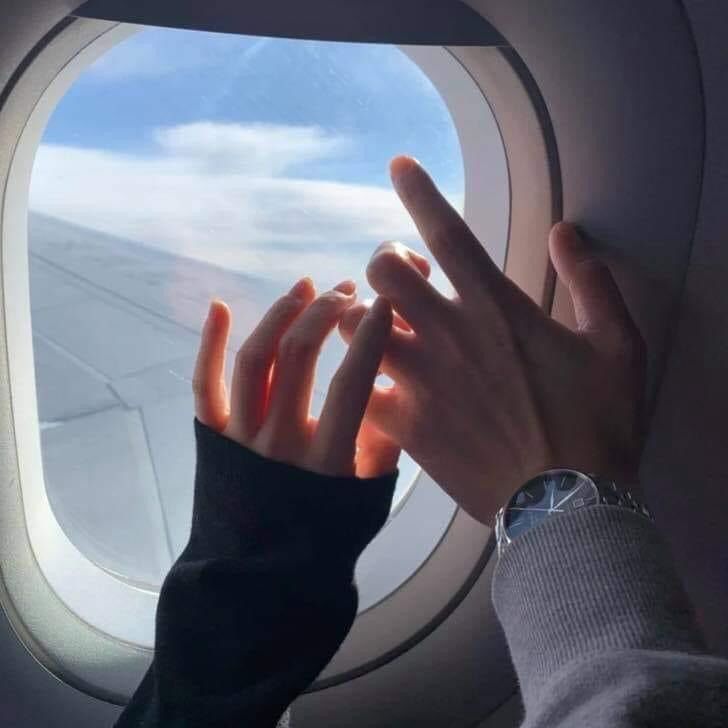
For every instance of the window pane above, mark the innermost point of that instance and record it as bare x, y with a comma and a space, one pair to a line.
179, 167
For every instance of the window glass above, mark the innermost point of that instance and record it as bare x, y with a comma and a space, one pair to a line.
182, 166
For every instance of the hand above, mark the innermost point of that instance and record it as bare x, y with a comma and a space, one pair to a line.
272, 383
488, 390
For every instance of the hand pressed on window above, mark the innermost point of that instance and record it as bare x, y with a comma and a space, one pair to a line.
268, 408
489, 390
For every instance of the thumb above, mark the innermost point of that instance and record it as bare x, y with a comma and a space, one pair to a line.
601, 313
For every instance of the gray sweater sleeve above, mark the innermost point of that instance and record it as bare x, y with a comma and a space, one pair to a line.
600, 630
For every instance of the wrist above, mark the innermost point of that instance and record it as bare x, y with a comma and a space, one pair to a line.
245, 503
600, 579
556, 493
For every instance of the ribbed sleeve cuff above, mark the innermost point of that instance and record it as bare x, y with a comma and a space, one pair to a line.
263, 594
246, 503
593, 580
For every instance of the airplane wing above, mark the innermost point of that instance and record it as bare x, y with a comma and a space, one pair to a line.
115, 329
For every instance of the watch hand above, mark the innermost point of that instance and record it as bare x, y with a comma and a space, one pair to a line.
573, 492
551, 507
548, 510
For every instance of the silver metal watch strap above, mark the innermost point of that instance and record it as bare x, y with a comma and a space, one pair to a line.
612, 495
609, 494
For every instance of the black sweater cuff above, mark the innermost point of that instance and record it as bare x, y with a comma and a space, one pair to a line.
262, 596
249, 504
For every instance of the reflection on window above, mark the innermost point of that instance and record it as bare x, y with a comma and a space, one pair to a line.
182, 166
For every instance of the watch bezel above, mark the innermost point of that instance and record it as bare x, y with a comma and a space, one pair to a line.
502, 536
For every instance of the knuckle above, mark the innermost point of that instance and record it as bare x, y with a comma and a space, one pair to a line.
285, 307
592, 269
250, 358
350, 320
327, 307
295, 346
282, 311
443, 234
327, 301
455, 335
627, 344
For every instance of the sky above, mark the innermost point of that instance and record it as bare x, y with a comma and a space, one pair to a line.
263, 155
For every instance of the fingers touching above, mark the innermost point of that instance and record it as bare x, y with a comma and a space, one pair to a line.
402, 353
349, 392
293, 374
273, 381
600, 310
398, 274
395, 272
459, 252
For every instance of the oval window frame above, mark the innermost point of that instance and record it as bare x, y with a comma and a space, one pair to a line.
87, 657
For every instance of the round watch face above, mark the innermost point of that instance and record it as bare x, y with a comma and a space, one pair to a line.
548, 494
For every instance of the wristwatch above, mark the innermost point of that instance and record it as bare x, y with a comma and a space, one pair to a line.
553, 493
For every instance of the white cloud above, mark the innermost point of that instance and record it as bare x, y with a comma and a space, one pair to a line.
251, 149
238, 213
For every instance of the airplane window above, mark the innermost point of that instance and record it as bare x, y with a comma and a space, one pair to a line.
181, 166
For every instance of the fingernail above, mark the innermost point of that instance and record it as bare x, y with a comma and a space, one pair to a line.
409, 256
301, 287
570, 235
346, 287
216, 313
401, 166
211, 307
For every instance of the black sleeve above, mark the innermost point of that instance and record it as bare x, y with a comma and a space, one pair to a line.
263, 594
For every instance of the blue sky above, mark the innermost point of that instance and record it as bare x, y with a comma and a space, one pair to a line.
159, 77
240, 150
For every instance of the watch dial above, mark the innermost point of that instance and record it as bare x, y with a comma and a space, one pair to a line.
553, 492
